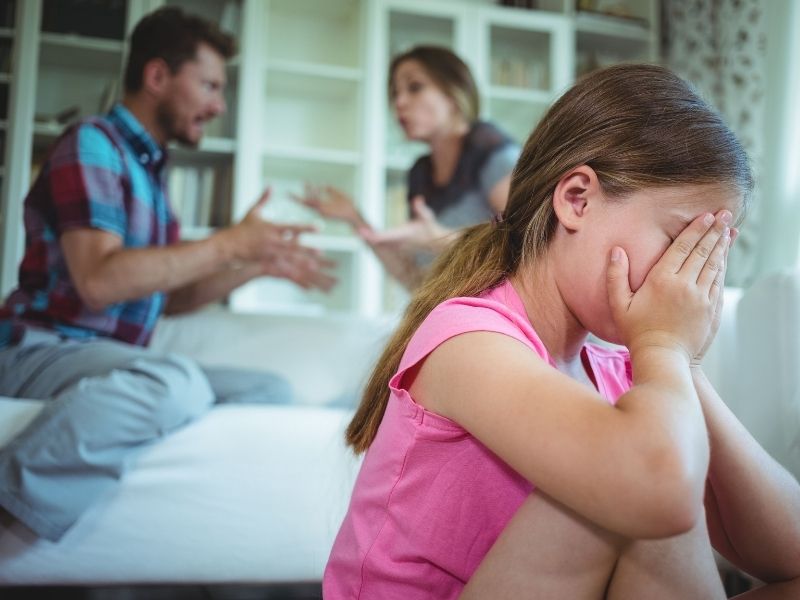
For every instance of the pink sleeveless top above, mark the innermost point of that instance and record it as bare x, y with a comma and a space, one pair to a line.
430, 499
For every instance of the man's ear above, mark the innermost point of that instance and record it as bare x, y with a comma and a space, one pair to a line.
576, 193
155, 76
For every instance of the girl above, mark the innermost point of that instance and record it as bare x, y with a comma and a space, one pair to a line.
507, 457
463, 181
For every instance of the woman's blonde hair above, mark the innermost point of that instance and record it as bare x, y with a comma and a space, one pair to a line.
637, 126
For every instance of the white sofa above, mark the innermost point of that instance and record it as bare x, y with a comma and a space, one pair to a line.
247, 494
255, 494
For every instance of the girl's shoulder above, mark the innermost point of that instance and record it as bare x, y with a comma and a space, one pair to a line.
497, 310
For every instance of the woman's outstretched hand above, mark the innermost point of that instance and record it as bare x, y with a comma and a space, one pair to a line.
679, 302
422, 232
330, 203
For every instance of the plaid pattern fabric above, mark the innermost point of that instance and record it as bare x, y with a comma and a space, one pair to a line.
104, 173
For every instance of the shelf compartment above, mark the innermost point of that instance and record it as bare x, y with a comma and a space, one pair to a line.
226, 14
311, 31
407, 30
6, 46
76, 52
321, 155
317, 70
59, 89
636, 28
76, 71
311, 111
98, 18
519, 58
596, 50
397, 207
519, 95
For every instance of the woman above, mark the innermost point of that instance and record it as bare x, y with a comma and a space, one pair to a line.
463, 181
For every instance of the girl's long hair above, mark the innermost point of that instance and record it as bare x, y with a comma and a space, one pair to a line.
637, 126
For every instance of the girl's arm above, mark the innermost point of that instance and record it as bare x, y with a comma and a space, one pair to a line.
752, 503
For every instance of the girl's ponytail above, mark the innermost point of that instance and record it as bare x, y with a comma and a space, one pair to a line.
478, 260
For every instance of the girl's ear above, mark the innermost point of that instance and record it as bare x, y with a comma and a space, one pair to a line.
575, 195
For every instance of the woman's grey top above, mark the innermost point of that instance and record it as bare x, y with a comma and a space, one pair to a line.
487, 156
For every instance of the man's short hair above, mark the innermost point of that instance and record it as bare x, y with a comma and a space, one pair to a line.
171, 35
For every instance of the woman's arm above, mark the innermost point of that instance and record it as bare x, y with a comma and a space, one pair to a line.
752, 503
395, 248
498, 195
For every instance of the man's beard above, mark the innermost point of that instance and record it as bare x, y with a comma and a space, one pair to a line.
167, 121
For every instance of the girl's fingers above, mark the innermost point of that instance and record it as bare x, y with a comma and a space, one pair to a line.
718, 284
715, 262
619, 289
702, 253
676, 255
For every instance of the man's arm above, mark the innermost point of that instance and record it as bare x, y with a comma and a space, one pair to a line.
303, 271
211, 289
104, 272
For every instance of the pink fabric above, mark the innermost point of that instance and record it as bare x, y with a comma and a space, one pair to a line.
430, 499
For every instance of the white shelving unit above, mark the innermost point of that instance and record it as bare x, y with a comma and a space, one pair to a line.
307, 102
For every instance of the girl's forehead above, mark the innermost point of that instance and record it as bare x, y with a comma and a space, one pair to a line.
690, 201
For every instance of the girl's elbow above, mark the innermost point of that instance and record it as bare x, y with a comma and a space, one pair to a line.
673, 500
666, 517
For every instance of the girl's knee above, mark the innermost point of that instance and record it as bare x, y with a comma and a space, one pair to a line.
682, 566
549, 549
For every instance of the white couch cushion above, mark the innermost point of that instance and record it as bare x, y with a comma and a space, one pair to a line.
325, 359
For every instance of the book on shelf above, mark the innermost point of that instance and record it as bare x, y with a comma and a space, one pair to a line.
223, 188
199, 194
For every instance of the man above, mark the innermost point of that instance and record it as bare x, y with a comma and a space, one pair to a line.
103, 262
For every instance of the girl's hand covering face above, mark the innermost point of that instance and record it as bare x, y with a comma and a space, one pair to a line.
677, 306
